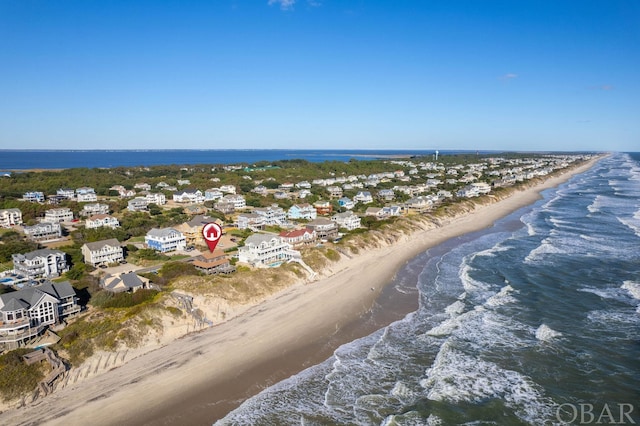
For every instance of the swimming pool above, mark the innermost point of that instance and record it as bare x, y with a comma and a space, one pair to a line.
6, 281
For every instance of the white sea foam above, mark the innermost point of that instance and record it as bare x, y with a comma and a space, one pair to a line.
544, 333
470, 285
456, 308
632, 223
502, 297
493, 251
595, 206
545, 248
633, 288
457, 377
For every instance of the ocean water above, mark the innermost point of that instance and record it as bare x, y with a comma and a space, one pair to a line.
67, 159
535, 321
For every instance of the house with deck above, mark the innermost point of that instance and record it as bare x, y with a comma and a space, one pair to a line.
302, 211
42, 232
94, 209
101, 220
215, 262
86, 194
27, 313
125, 282
43, 263
165, 240
265, 250
10, 217
348, 220
62, 214
299, 237
192, 196
137, 204
102, 252
34, 197
324, 228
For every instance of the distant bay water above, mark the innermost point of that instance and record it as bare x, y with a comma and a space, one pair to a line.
68, 159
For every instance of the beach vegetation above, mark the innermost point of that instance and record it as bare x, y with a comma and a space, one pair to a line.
16, 377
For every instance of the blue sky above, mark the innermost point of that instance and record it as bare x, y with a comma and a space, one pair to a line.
506, 75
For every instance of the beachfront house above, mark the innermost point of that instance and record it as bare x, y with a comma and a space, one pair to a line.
418, 204
26, 313
62, 214
10, 217
323, 207
302, 211
94, 209
324, 228
33, 196
215, 262
347, 220
43, 263
124, 282
165, 240
299, 238
102, 252
265, 250
42, 232
101, 220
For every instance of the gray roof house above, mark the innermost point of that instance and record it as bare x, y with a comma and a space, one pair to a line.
129, 281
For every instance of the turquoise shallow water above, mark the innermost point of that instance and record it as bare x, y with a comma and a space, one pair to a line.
534, 321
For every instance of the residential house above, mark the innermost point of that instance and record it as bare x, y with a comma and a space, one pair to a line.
418, 204
303, 185
251, 221
157, 198
376, 212
43, 232
304, 193
66, 193
228, 189
183, 182
142, 186
363, 197
302, 211
62, 214
215, 262
225, 207
193, 196
299, 238
165, 240
468, 192
213, 194
281, 195
386, 194
102, 252
346, 203
273, 215
334, 191
94, 209
265, 250
392, 210
33, 196
101, 220
43, 263
261, 190
347, 220
323, 207
86, 195
481, 187
125, 282
324, 228
10, 217
192, 230
137, 204
238, 201
26, 313
195, 209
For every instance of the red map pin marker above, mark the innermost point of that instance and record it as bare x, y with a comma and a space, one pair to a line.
212, 233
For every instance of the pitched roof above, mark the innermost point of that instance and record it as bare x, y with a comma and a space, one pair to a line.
112, 242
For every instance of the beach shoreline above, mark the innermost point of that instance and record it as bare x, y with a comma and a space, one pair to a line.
294, 323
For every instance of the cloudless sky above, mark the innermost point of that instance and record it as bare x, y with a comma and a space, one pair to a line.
365, 74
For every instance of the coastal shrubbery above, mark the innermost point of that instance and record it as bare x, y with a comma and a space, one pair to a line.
16, 377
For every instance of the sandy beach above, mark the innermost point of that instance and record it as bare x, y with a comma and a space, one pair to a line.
249, 352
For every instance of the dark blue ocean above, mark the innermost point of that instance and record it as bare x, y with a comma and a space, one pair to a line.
535, 321
67, 159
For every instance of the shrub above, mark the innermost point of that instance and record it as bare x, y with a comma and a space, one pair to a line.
16, 377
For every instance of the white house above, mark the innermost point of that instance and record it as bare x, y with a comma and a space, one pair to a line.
43, 231
43, 263
67, 193
265, 250
102, 252
363, 197
272, 215
86, 195
10, 217
299, 237
250, 221
238, 201
34, 196
62, 214
93, 209
137, 204
346, 203
165, 240
192, 196
212, 194
228, 189
26, 313
158, 199
347, 220
101, 220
